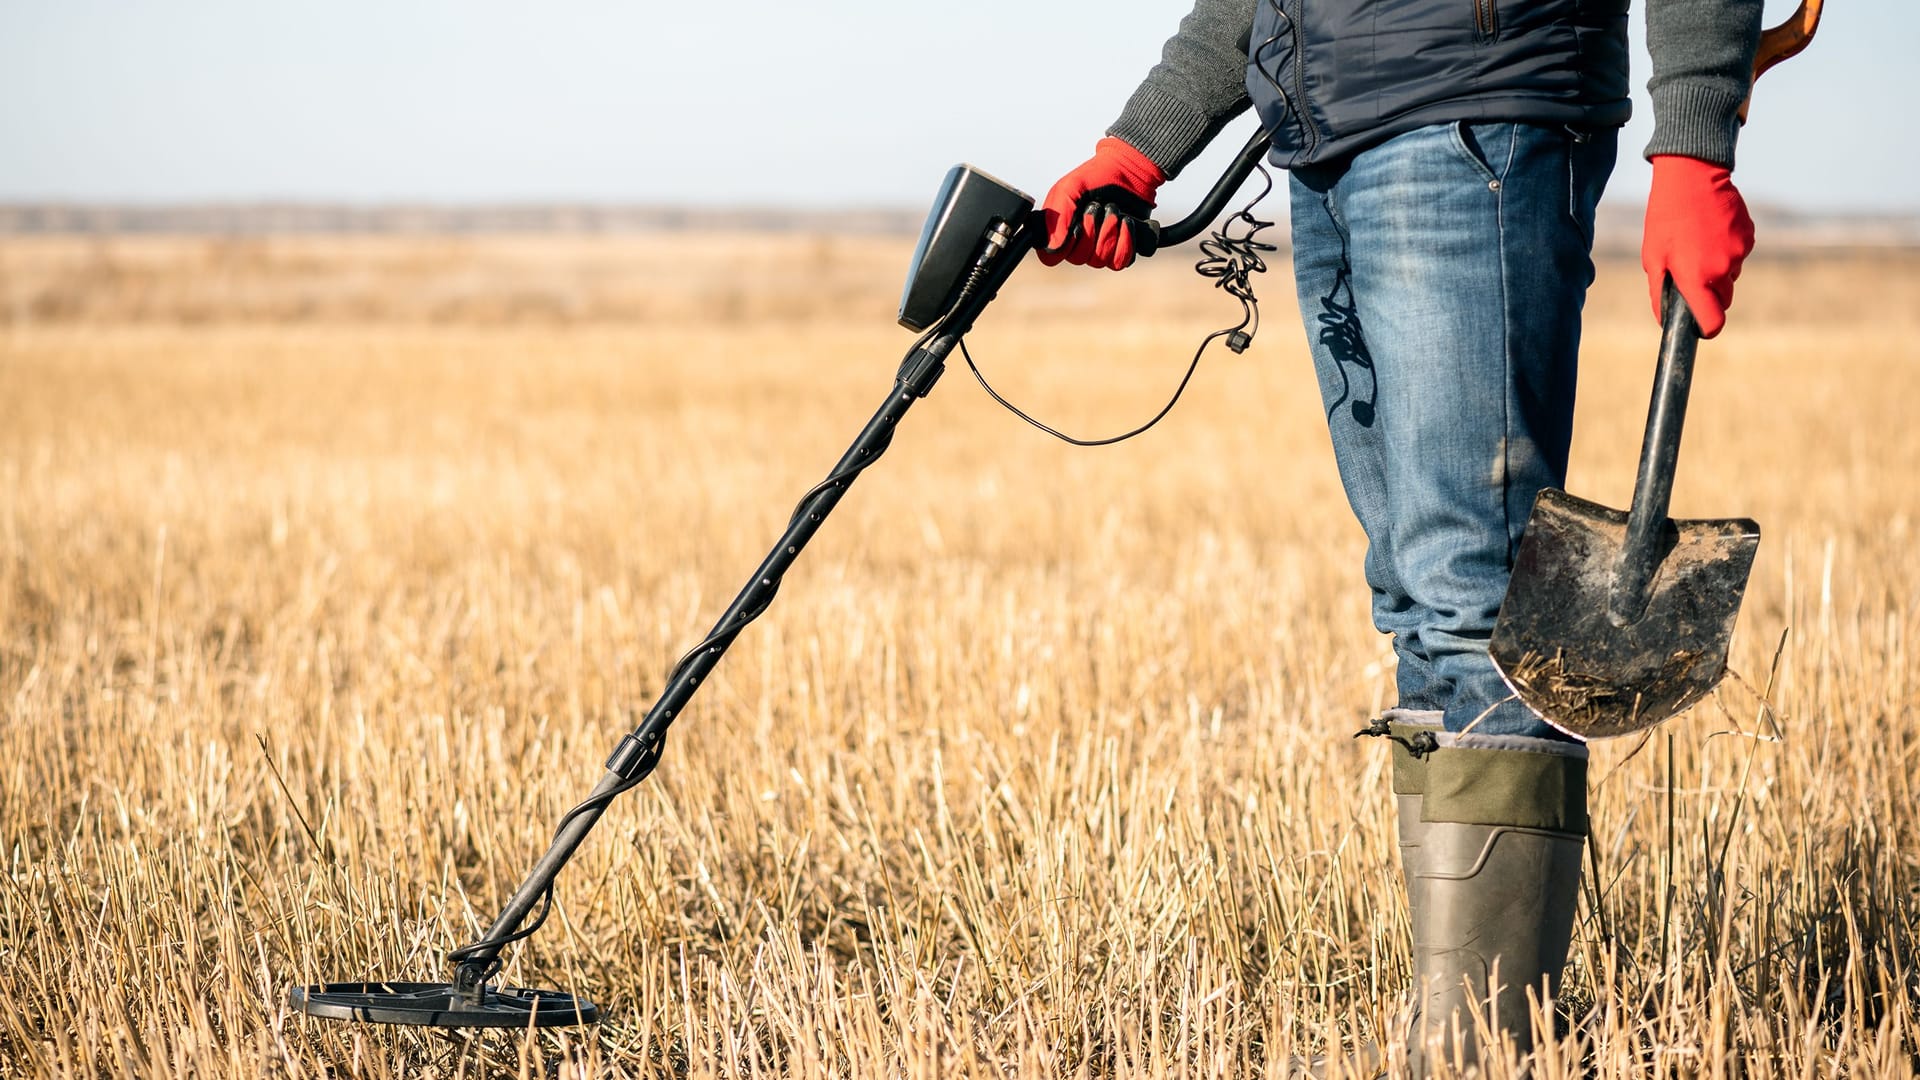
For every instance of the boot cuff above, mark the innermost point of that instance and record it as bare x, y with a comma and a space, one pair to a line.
1507, 780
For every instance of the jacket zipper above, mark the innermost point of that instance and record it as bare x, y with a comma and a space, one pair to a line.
1486, 19
1304, 107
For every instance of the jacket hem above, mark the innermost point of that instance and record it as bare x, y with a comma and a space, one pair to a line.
1518, 109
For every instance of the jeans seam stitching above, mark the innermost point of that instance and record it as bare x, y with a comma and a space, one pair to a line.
1506, 353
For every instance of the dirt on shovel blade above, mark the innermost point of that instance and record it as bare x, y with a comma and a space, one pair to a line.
1584, 703
1568, 661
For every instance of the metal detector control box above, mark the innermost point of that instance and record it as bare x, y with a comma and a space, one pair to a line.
968, 204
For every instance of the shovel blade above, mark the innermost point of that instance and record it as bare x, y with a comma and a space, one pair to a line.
1569, 661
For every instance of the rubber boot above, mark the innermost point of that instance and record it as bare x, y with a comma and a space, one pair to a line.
1503, 829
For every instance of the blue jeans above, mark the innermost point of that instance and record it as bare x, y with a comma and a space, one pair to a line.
1441, 276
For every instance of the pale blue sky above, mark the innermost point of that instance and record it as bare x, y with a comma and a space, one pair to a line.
837, 102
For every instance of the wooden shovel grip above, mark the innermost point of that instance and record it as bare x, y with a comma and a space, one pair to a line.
1783, 41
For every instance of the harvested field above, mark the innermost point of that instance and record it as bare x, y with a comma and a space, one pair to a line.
331, 569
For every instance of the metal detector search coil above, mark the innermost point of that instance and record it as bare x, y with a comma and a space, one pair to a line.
443, 1005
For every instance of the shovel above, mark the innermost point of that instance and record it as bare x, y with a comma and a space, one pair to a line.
1613, 622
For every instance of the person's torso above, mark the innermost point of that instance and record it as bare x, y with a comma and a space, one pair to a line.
1331, 77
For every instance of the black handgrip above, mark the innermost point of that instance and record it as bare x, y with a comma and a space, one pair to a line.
1647, 526
1147, 238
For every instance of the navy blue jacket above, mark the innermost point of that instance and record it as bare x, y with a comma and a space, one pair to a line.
1329, 77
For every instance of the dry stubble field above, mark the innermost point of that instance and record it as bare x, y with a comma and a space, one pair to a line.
331, 569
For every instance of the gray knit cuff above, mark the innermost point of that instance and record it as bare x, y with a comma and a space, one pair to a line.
1696, 121
1168, 131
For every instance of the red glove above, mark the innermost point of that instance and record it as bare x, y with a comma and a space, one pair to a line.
1114, 164
1698, 231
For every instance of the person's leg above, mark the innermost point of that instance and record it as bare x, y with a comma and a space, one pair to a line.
1466, 254
1323, 278
1468, 247
1343, 366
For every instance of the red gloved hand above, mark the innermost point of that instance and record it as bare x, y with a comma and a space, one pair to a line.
1698, 230
1114, 164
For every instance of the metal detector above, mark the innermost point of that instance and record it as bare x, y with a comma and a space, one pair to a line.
978, 231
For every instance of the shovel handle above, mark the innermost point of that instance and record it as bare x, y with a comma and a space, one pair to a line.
1783, 41
1647, 525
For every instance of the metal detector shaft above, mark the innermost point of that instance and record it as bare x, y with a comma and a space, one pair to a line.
639, 751
1647, 524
